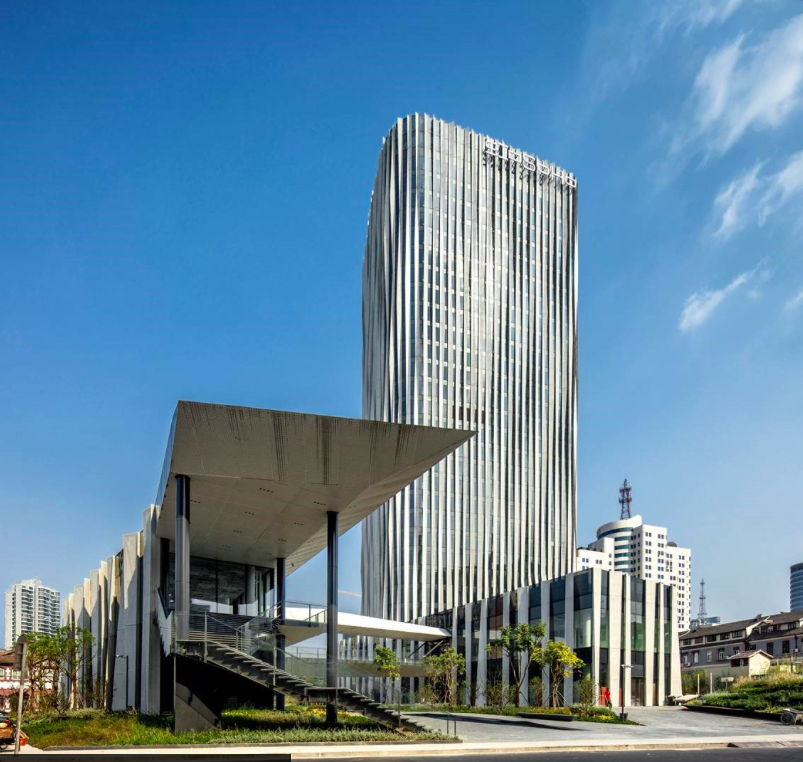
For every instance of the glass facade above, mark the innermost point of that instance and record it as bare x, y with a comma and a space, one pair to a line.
469, 321
557, 610
591, 603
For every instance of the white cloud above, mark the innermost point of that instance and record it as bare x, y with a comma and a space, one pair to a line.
731, 204
622, 44
781, 187
741, 88
713, 85
701, 305
795, 302
701, 13
755, 197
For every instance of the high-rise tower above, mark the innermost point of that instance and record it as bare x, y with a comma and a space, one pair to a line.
31, 607
470, 320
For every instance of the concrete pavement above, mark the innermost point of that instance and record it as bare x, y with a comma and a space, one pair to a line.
656, 723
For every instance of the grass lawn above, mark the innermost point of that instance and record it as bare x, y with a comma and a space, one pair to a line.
296, 725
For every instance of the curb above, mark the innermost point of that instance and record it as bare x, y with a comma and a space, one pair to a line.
497, 750
217, 747
431, 750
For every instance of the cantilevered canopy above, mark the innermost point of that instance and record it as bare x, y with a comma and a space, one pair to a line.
262, 481
298, 626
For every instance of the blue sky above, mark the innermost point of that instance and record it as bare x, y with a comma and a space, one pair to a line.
183, 215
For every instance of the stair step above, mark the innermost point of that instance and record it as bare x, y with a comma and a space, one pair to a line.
250, 666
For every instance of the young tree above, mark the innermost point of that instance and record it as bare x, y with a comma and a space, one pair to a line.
522, 644
587, 694
536, 691
494, 690
386, 661
42, 669
561, 662
445, 671
74, 646
690, 681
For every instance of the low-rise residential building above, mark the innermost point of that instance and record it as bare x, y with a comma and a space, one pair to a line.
750, 664
716, 649
9, 679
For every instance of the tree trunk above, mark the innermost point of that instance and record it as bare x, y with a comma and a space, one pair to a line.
553, 686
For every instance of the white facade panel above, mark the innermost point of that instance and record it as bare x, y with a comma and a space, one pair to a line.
469, 321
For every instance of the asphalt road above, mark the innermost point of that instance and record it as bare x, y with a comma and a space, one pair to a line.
684, 755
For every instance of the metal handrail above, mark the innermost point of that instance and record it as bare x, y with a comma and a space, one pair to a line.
358, 656
317, 608
256, 638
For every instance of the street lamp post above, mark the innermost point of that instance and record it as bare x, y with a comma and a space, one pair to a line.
21, 663
622, 716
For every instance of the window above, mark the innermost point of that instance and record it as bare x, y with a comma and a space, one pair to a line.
721, 654
708, 656
695, 657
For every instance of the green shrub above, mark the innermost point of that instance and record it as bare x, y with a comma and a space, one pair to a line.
593, 711
764, 694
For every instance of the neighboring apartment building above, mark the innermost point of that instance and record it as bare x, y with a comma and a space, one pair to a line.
31, 607
599, 557
644, 550
470, 321
713, 649
796, 587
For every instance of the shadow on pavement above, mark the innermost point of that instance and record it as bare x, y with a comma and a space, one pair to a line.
490, 720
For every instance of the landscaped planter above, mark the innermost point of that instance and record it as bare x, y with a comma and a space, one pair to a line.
547, 716
733, 712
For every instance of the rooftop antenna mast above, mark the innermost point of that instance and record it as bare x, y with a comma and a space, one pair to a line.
701, 612
625, 499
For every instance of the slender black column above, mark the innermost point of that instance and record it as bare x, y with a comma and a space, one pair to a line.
281, 579
182, 578
164, 571
331, 611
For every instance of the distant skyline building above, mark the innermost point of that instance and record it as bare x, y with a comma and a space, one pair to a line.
31, 607
470, 321
796, 587
643, 550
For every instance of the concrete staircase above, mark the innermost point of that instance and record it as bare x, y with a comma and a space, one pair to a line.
227, 657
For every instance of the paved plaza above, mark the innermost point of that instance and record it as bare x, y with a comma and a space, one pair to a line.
666, 723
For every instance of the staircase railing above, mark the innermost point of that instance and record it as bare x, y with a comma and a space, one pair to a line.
299, 611
257, 637
303, 670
